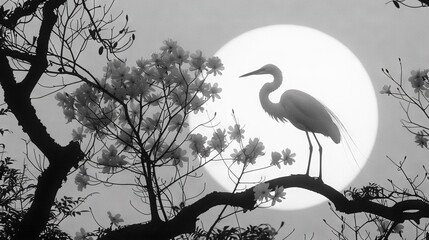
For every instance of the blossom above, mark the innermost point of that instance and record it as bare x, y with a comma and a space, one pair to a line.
421, 140
82, 235
218, 140
169, 46
288, 157
197, 104
125, 137
386, 90
205, 152
64, 100
120, 71
157, 148
249, 153
81, 178
417, 79
197, 142
143, 63
177, 123
279, 194
179, 97
238, 156
115, 219
199, 85
82, 170
398, 229
69, 114
85, 94
110, 159
135, 86
151, 123
181, 56
179, 156
81, 181
253, 150
169, 60
214, 91
134, 111
197, 61
78, 134
235, 132
157, 60
119, 91
275, 158
215, 66
262, 191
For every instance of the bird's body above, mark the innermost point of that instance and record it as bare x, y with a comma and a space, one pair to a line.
301, 109
304, 112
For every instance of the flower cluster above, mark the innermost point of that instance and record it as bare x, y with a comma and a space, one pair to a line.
249, 153
144, 106
115, 220
421, 139
262, 192
286, 157
419, 81
111, 160
386, 90
82, 235
81, 179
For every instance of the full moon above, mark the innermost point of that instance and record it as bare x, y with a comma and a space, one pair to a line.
313, 62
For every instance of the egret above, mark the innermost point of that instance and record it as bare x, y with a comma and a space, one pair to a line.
301, 109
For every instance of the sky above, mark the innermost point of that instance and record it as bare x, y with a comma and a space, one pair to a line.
376, 32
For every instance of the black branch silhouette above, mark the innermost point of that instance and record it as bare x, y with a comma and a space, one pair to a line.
185, 221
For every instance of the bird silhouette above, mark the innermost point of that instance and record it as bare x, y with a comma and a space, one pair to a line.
301, 109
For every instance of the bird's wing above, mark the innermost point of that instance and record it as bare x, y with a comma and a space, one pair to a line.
306, 112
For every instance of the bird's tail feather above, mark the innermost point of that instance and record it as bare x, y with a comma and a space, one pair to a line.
345, 136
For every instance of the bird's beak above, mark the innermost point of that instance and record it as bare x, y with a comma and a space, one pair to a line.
252, 73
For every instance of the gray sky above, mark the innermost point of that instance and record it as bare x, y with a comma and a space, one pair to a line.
375, 32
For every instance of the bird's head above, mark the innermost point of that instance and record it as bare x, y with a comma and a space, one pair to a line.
267, 69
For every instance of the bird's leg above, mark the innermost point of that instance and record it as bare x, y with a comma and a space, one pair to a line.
320, 156
311, 151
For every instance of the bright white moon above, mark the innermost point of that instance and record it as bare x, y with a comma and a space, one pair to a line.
315, 63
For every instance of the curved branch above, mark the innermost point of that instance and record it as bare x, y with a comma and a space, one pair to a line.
61, 158
185, 221
40, 62
28, 8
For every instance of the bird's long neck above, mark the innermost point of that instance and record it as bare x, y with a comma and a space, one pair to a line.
275, 110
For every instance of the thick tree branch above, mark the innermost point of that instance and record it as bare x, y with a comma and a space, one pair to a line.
40, 62
185, 221
23, 56
27, 9
61, 159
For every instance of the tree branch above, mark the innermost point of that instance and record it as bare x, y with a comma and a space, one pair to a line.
40, 63
61, 159
27, 9
185, 221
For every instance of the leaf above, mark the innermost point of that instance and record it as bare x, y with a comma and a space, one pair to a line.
115, 44
126, 17
100, 50
396, 3
133, 37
